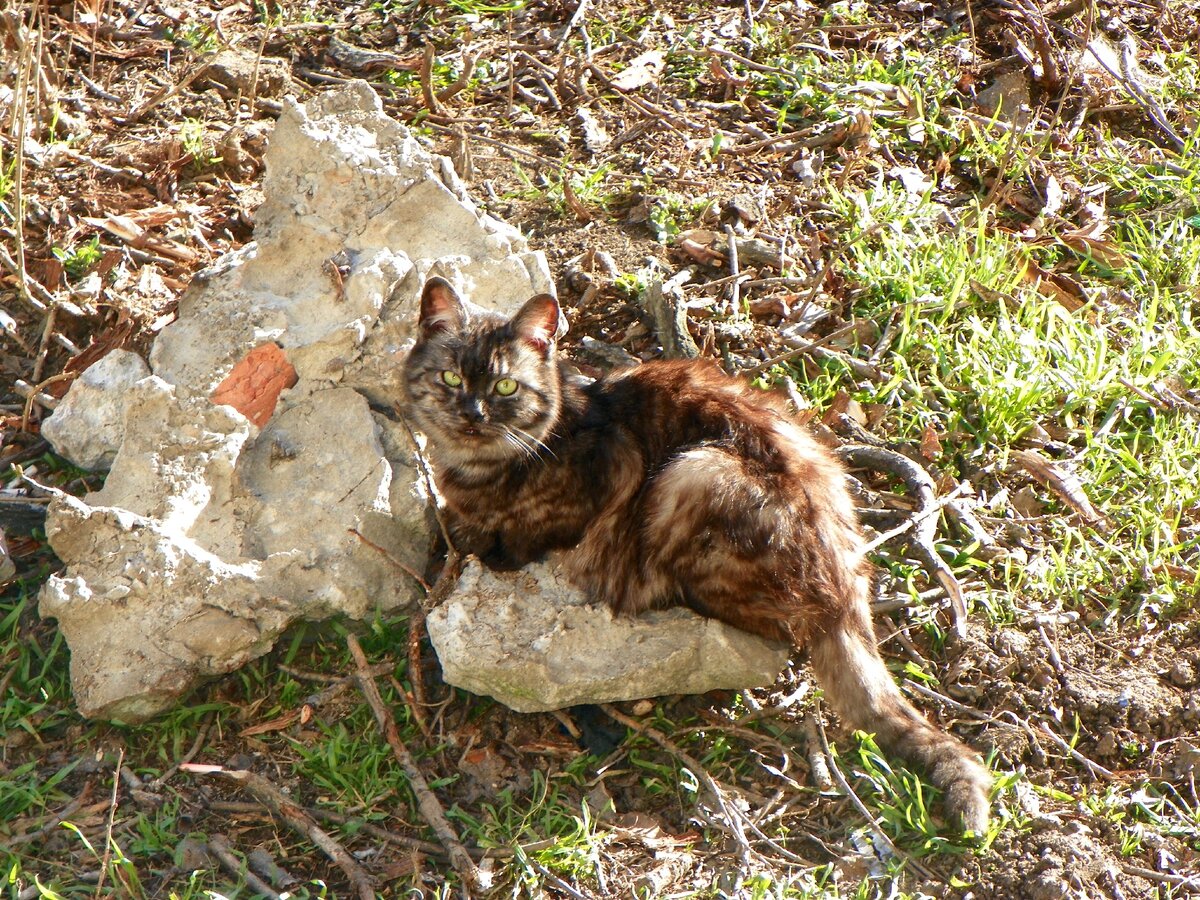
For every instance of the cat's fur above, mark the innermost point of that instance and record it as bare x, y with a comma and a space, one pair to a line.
670, 483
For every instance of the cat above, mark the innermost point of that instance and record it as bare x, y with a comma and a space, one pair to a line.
670, 483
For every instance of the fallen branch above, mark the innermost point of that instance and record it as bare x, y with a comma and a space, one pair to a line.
427, 847
1095, 768
670, 322
172, 89
53, 821
430, 809
108, 825
297, 818
917, 518
735, 269
818, 761
201, 737
407, 570
921, 486
220, 847
1190, 883
460, 82
427, 93
733, 817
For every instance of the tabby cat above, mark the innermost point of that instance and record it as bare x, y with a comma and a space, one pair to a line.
670, 483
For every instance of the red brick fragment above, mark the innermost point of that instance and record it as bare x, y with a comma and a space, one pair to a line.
254, 385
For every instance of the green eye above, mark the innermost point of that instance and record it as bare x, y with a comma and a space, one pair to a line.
452, 378
505, 387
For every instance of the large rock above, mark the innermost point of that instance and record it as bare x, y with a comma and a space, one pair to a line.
535, 643
212, 533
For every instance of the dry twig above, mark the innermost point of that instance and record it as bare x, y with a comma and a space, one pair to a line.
876, 830
298, 819
108, 828
431, 810
921, 486
221, 848
734, 819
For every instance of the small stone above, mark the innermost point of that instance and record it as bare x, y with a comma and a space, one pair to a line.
232, 72
1182, 673
89, 424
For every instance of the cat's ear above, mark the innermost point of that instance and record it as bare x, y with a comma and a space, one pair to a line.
540, 322
441, 308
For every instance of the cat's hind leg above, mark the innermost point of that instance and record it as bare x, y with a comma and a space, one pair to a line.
779, 554
714, 527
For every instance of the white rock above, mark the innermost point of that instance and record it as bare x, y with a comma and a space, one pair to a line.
89, 423
211, 535
534, 643
127, 608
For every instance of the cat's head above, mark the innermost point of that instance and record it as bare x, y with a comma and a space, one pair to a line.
484, 388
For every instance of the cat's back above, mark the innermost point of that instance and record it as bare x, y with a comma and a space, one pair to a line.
670, 405
684, 387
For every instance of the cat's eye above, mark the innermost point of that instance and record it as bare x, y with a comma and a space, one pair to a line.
452, 378
505, 387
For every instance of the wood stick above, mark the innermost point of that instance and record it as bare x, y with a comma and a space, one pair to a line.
862, 807
298, 819
921, 485
221, 848
733, 817
428, 804
427, 60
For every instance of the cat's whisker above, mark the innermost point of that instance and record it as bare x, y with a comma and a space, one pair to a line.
528, 451
536, 441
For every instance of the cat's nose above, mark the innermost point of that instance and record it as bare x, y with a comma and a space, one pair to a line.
472, 409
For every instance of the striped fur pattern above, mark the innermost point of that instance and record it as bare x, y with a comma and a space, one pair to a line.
668, 484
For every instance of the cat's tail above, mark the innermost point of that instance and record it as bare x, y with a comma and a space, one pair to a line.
865, 696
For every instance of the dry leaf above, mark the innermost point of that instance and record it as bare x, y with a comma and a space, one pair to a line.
642, 70
1054, 197
1066, 291
1027, 503
931, 446
129, 231
277, 724
843, 403
1064, 483
988, 295
698, 244
916, 183
1104, 251
1007, 99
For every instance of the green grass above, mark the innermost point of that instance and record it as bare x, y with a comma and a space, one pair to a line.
79, 259
992, 371
7, 177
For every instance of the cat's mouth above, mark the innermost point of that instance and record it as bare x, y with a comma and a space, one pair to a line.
476, 433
